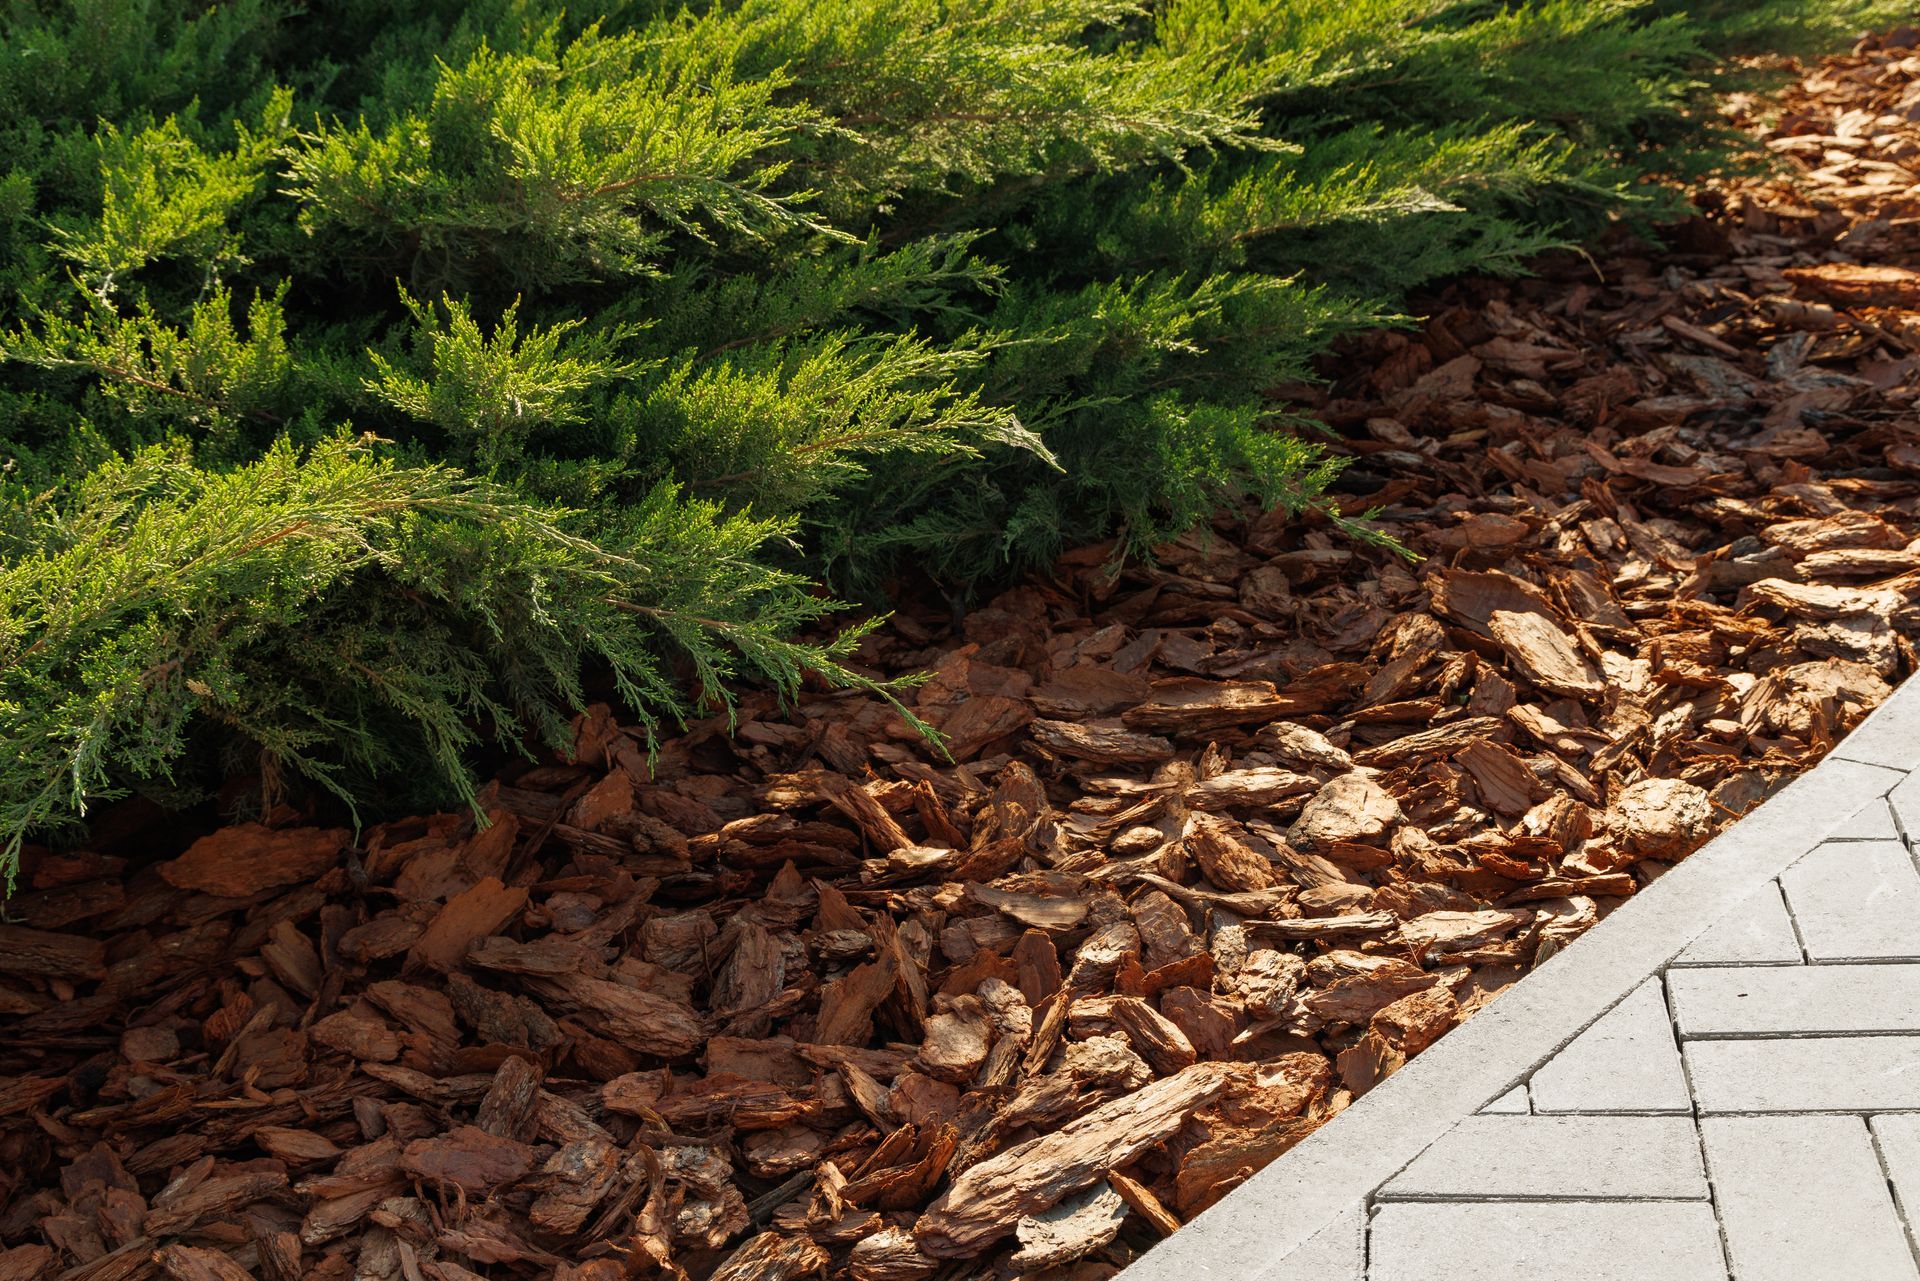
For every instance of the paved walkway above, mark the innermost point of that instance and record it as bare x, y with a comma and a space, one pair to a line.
1741, 1100
1752, 1109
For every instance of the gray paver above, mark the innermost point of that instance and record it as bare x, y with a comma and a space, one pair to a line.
1338, 1252
1856, 901
1898, 1138
1514, 1100
1758, 932
1773, 1000
1873, 823
1889, 737
1802, 1197
1625, 1062
1546, 1241
1815, 1074
1562, 1157
1904, 799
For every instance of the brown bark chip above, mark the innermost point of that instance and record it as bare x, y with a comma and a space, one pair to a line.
239, 861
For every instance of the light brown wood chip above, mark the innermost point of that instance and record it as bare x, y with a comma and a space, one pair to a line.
988, 1199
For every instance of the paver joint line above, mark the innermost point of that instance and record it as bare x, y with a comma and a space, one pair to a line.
1896, 1142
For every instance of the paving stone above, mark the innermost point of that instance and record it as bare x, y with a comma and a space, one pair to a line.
1856, 901
1758, 932
1904, 799
1337, 1252
1761, 1000
1803, 1197
1625, 1062
1890, 736
1590, 1158
1545, 1241
1875, 822
1897, 1135
1514, 1100
1815, 1074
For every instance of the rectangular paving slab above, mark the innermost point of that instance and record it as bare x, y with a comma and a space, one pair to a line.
1904, 801
1897, 1136
1338, 1252
1797, 1001
1803, 1197
1565, 1157
1625, 1062
1758, 932
1856, 901
1816, 1074
1545, 1241
1889, 737
1874, 822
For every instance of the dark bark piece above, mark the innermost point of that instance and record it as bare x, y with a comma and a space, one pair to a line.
468, 916
648, 1023
240, 861
847, 1005
752, 976
510, 1108
979, 721
44, 954
26, 1263
905, 1168
195, 1263
573, 1182
296, 1147
362, 1035
195, 1203
469, 1158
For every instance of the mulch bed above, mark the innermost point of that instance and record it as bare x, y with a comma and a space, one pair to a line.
1225, 841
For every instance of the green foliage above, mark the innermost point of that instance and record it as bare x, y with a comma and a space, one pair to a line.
354, 620
764, 292
489, 393
163, 196
549, 169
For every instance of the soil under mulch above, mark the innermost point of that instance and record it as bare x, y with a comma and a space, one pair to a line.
1227, 840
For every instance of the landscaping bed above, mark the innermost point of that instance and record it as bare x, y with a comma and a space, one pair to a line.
1223, 841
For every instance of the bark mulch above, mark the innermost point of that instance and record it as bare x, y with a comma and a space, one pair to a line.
1226, 840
